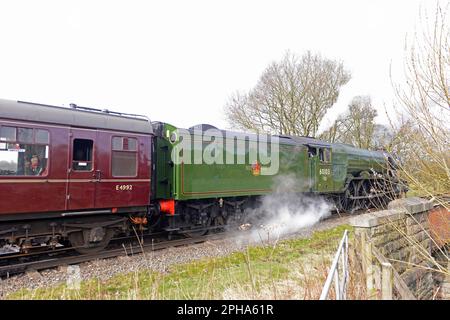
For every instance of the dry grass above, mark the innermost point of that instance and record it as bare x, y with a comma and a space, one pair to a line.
289, 269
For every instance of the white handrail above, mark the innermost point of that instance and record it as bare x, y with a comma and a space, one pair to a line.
340, 287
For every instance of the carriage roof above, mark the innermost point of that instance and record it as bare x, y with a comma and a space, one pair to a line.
74, 116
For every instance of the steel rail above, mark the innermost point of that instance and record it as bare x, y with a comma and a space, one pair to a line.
72, 257
108, 253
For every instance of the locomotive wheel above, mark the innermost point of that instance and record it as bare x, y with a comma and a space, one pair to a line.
342, 202
365, 191
219, 222
381, 202
80, 241
353, 191
198, 233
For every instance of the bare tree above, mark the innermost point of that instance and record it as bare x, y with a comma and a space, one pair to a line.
356, 126
422, 130
425, 102
335, 132
382, 137
291, 96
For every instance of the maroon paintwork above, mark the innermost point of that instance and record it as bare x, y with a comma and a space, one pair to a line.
63, 189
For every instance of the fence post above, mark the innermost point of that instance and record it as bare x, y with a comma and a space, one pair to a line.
386, 281
377, 279
336, 283
367, 256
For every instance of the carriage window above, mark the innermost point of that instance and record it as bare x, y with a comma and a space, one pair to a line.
124, 157
124, 144
325, 155
7, 133
21, 154
82, 154
42, 136
25, 135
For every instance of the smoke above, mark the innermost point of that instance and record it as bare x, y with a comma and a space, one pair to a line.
286, 210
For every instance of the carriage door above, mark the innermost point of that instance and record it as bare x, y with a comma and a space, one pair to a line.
313, 159
82, 171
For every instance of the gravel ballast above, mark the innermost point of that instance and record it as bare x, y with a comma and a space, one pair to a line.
158, 261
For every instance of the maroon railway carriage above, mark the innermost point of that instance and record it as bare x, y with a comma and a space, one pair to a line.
70, 173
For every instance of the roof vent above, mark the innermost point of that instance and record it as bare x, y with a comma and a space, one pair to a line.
109, 112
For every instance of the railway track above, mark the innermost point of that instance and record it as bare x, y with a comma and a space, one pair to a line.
38, 261
68, 256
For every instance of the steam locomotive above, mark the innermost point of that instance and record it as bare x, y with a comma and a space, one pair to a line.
79, 176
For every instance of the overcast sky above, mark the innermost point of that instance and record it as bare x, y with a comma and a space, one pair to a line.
178, 61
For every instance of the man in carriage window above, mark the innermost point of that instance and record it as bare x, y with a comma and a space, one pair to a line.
35, 167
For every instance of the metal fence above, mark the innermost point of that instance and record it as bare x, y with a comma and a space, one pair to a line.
340, 279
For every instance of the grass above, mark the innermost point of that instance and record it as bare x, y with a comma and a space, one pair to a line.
289, 269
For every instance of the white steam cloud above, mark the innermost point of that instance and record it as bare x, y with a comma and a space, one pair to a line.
286, 210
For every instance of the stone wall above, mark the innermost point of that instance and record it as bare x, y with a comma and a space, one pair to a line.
442, 280
401, 234
445, 291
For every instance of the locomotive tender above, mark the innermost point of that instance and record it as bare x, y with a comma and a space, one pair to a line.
78, 176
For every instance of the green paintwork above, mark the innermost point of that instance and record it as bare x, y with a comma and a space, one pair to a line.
198, 181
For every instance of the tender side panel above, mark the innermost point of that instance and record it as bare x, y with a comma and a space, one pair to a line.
242, 179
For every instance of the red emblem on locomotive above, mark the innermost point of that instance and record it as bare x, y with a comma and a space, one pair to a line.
256, 168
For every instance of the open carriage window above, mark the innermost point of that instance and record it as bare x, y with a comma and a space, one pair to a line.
82, 154
22, 153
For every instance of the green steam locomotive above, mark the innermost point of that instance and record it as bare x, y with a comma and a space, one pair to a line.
205, 178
